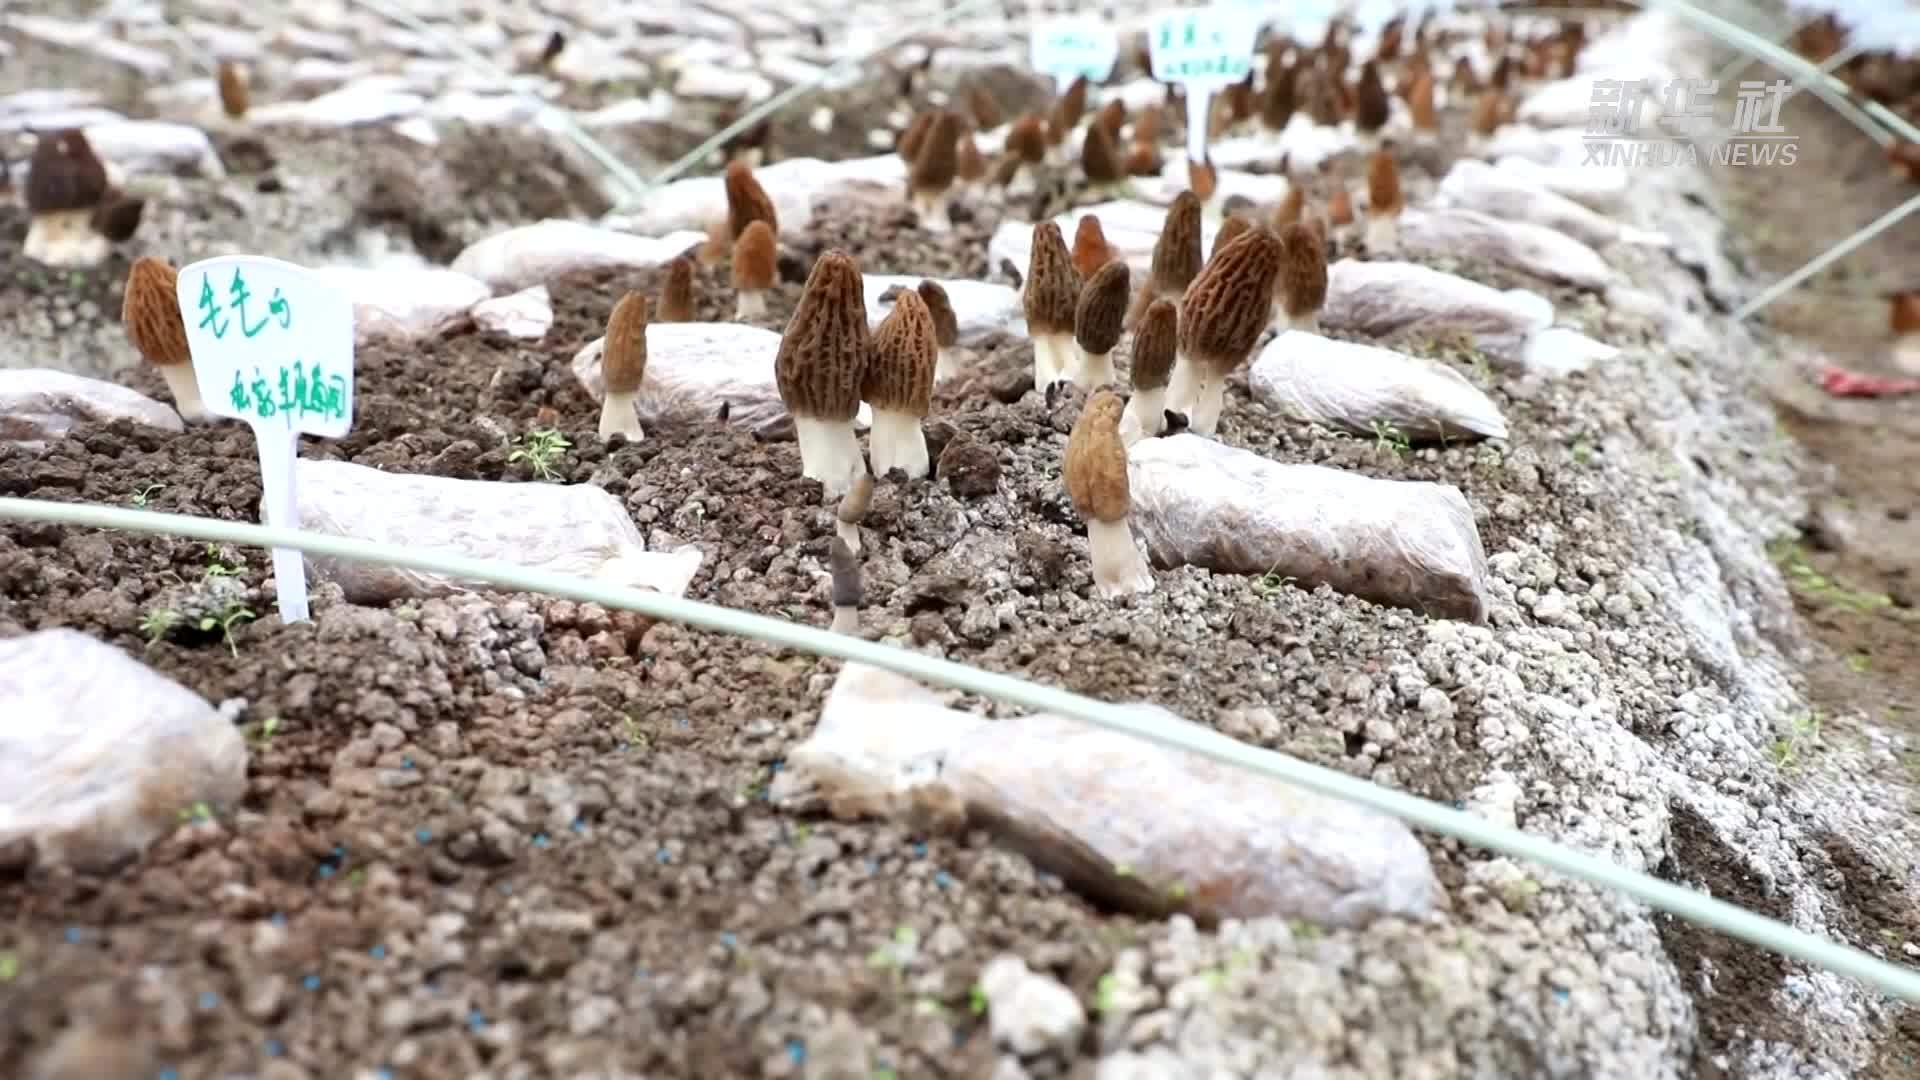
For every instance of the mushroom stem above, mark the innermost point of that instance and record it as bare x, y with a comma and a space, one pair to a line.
1052, 359
829, 453
849, 533
1180, 386
1118, 566
846, 620
931, 208
65, 238
185, 390
620, 415
1145, 416
1906, 351
1094, 371
1209, 401
1383, 233
947, 365
752, 304
897, 441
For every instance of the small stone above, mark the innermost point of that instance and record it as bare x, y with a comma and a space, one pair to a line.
971, 468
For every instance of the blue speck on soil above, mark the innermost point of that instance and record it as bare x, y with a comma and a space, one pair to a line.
208, 999
540, 839
579, 825
777, 765
406, 763
727, 939
169, 1074
274, 1049
423, 835
278, 918
919, 849
378, 952
873, 866
797, 1051
325, 870
339, 851
663, 855
476, 1020
311, 982
942, 879
73, 935
1560, 993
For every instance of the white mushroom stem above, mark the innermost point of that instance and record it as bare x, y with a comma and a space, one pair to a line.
1209, 401
1094, 370
752, 304
1307, 322
1118, 566
1053, 356
1278, 318
620, 415
185, 390
1178, 395
1144, 417
1906, 352
1383, 232
931, 207
897, 441
848, 532
829, 453
846, 620
65, 238
947, 365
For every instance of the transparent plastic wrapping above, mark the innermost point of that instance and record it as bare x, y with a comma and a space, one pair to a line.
1370, 391
38, 405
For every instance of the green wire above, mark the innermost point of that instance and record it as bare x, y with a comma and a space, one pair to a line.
1686, 903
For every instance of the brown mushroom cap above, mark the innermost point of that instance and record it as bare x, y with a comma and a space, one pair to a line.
1420, 103
1176, 254
64, 175
1370, 111
623, 356
1202, 178
753, 258
1027, 141
1304, 275
1487, 111
1052, 288
1230, 230
986, 111
747, 201
1099, 158
1069, 109
1155, 344
853, 505
970, 164
118, 219
915, 137
1228, 305
233, 89
676, 296
1113, 117
899, 376
1292, 205
1384, 197
938, 160
1096, 461
1340, 206
823, 354
946, 325
1090, 248
151, 312
1103, 304
1143, 160
1277, 102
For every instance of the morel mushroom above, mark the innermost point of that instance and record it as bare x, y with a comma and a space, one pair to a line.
853, 510
946, 329
676, 296
931, 182
1100, 159
66, 183
233, 89
1292, 205
1277, 103
1303, 280
1903, 318
1385, 201
1155, 344
151, 312
747, 201
1090, 248
1230, 230
753, 269
1340, 205
1371, 111
1096, 474
623, 364
1176, 256
848, 593
1051, 291
986, 111
914, 139
1097, 324
1426, 121
819, 370
1226, 310
899, 387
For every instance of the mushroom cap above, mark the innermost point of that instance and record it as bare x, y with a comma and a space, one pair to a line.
747, 201
1304, 275
1230, 303
1156, 341
1070, 108
938, 160
1052, 288
1027, 141
1113, 117
1096, 461
1370, 99
151, 312
233, 89
1384, 197
1176, 254
946, 325
623, 356
676, 296
853, 505
1230, 230
912, 139
823, 354
844, 568
1340, 206
1202, 178
118, 219
1487, 111
754, 257
1103, 305
1278, 101
899, 376
1099, 158
1143, 160
1090, 248
986, 111
1292, 205
970, 165
1420, 102
64, 174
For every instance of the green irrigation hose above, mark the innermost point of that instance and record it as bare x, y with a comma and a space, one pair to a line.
1686, 903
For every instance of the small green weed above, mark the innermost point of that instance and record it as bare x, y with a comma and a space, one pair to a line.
1802, 737
1390, 438
140, 498
540, 450
1811, 584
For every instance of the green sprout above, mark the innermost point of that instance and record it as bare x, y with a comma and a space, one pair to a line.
264, 731
218, 567
224, 622
199, 811
1803, 734
1104, 993
1272, 581
158, 624
9, 966
977, 1001
139, 498
1390, 438
539, 450
1802, 578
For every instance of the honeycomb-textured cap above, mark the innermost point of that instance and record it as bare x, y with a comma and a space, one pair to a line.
1072, 105
754, 256
1340, 206
986, 111
1113, 117
1278, 99
900, 370
1102, 307
1099, 158
1231, 229
676, 296
1370, 109
151, 312
823, 354
747, 201
914, 138
118, 219
1292, 205
1096, 462
1230, 303
1052, 287
1090, 248
970, 165
1420, 103
938, 163
233, 89
1027, 140
1177, 254
1156, 341
844, 571
946, 325
64, 174
1304, 276
623, 356
1384, 197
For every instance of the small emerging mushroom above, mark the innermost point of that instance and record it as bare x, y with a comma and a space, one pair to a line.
1426, 121
66, 184
848, 594
1155, 344
899, 387
1292, 205
1090, 248
1100, 160
747, 201
931, 181
1226, 310
1176, 256
233, 89
1903, 318
1096, 474
1097, 324
1231, 229
1385, 201
676, 296
819, 369
623, 364
986, 111
1050, 293
1067, 111
970, 165
119, 218
1303, 280
1202, 178
1340, 205
853, 510
1113, 118
151, 312
1277, 103
1370, 111
914, 139
946, 329
753, 269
